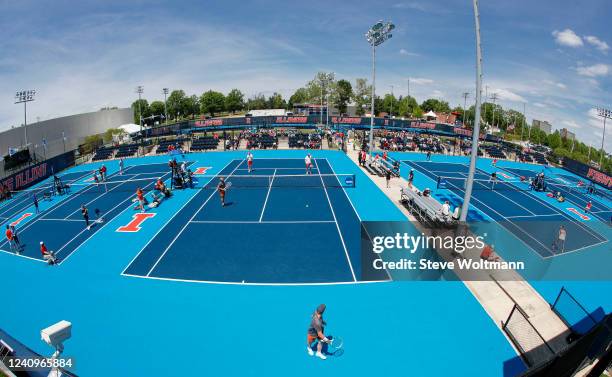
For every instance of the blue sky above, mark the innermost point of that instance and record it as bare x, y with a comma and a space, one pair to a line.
555, 56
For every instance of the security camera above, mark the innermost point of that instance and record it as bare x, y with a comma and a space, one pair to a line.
55, 335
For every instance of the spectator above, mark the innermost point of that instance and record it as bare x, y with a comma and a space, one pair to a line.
488, 254
446, 211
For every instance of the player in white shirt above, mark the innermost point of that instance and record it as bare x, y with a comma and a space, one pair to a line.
249, 159
308, 162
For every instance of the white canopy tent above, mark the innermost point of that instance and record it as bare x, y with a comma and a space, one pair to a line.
130, 128
431, 114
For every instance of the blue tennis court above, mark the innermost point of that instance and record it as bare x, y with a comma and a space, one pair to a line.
61, 226
569, 189
276, 222
529, 218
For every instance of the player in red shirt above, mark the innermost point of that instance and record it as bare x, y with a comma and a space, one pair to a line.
47, 255
588, 207
103, 172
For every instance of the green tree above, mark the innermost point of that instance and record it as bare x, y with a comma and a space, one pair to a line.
276, 101
318, 88
190, 106
300, 96
234, 101
417, 112
144, 108
554, 140
257, 102
344, 93
108, 134
390, 104
212, 102
175, 102
156, 108
407, 106
362, 95
91, 143
435, 105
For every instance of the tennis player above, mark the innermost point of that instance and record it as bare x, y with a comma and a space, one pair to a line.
315, 333
121, 166
308, 162
141, 199
249, 158
221, 187
493, 179
588, 207
85, 213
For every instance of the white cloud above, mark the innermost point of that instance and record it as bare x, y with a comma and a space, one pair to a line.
568, 38
410, 5
539, 104
594, 70
420, 81
557, 84
507, 95
405, 52
598, 43
571, 124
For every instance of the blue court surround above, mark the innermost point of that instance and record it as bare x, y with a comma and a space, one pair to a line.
123, 324
531, 219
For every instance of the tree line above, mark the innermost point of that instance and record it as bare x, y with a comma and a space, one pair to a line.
340, 93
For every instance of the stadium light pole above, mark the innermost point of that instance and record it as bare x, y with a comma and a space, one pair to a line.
375, 36
476, 128
465, 96
140, 90
24, 97
605, 114
391, 115
165, 90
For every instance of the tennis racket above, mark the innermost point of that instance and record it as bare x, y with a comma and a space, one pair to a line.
228, 185
336, 342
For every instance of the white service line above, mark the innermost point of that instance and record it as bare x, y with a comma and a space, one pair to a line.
262, 222
348, 259
168, 222
105, 224
188, 222
106, 191
267, 196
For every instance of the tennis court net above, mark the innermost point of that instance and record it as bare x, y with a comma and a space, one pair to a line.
211, 182
501, 185
282, 181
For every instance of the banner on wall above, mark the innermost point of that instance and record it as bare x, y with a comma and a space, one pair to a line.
588, 172
38, 172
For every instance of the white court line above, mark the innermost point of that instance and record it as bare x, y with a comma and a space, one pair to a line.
532, 217
509, 222
267, 196
108, 221
168, 222
47, 219
41, 215
348, 259
21, 256
22, 199
358, 217
262, 222
253, 284
106, 191
187, 223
